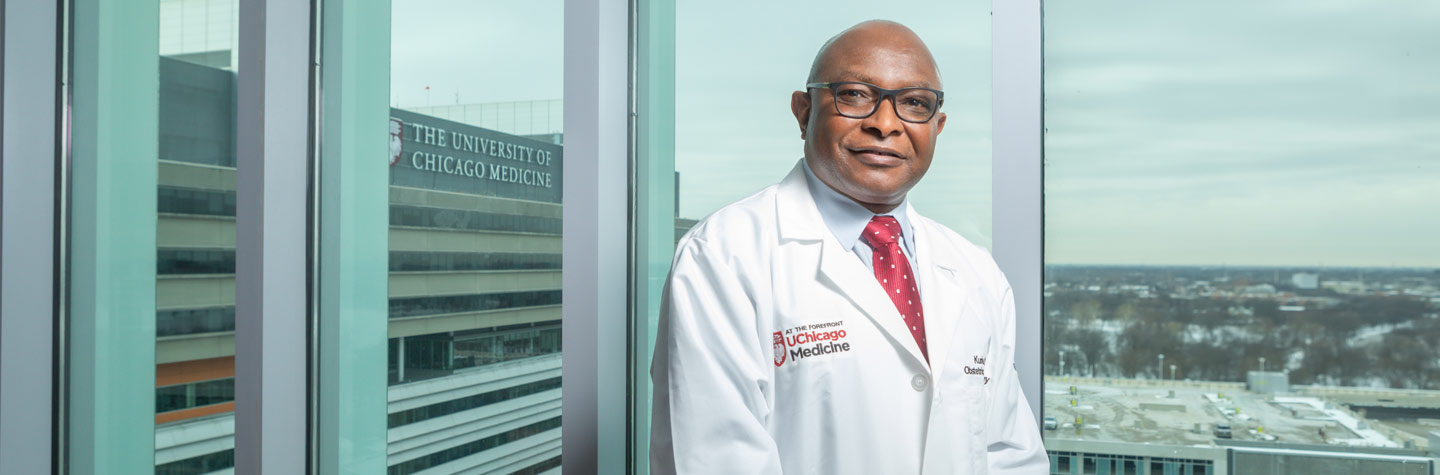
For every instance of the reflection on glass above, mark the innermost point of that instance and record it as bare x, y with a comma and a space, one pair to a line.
195, 286
1239, 237
475, 222
188, 395
208, 463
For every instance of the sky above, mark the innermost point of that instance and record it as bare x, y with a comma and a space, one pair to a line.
479, 51
1292, 133
1299, 133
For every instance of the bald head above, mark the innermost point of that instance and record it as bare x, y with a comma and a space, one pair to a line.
873, 159
866, 38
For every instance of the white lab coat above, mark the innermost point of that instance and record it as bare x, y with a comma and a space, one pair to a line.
762, 282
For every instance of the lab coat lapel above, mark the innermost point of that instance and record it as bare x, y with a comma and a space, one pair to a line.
943, 293
858, 284
799, 220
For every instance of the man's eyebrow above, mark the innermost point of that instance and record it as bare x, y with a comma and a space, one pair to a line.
866, 78
852, 75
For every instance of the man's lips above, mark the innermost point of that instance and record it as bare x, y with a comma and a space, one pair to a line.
878, 156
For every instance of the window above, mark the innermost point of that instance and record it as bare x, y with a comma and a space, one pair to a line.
472, 402
421, 357
709, 134
1235, 199
177, 397
464, 450
195, 262
1060, 462
475, 217
151, 225
208, 463
1238, 205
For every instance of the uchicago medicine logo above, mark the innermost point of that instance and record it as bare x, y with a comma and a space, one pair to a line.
779, 349
805, 341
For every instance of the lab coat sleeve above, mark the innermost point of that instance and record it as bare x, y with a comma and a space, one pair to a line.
1015, 447
709, 373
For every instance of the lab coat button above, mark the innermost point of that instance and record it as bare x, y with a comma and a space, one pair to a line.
919, 382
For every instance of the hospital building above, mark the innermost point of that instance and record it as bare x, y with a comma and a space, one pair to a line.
474, 296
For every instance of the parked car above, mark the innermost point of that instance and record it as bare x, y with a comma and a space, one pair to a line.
1051, 423
1222, 431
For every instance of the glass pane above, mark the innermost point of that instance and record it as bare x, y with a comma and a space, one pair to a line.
151, 236
1239, 232
475, 221
733, 134
195, 238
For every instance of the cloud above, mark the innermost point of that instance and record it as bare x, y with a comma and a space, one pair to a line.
1242, 133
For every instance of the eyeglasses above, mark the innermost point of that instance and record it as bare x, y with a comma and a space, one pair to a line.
858, 100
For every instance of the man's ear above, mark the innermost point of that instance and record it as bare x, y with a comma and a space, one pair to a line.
800, 106
940, 124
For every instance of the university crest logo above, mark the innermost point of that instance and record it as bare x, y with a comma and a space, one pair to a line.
779, 349
397, 132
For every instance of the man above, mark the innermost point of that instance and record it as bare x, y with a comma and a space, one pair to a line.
821, 325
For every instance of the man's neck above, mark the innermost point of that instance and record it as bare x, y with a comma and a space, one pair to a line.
877, 208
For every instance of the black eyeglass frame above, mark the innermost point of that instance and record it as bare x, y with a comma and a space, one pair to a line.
891, 93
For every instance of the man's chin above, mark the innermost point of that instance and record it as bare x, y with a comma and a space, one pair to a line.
877, 196
880, 185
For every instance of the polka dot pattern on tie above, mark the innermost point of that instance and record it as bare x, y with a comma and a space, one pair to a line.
883, 237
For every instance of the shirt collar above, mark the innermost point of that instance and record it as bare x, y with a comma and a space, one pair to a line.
846, 218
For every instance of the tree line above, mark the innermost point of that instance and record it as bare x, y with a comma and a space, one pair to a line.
1374, 341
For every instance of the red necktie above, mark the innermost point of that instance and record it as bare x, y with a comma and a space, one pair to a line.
892, 270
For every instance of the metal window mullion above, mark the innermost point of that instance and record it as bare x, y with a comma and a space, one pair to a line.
272, 181
28, 239
596, 228
1017, 174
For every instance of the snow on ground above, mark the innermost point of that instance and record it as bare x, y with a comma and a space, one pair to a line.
1373, 334
1368, 437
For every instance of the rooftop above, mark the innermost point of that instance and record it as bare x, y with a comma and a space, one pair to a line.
1185, 413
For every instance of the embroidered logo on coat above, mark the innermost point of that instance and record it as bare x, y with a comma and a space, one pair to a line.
779, 349
809, 340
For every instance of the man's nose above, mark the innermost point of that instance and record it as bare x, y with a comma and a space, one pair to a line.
884, 121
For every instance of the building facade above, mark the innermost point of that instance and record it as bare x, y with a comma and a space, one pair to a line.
474, 289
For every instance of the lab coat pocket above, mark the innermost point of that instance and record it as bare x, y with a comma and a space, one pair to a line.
966, 407
966, 411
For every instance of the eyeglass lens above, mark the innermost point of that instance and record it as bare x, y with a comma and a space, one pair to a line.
860, 100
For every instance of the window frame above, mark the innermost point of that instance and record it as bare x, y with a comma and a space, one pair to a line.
597, 187
1016, 204
273, 423
1017, 178
30, 71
